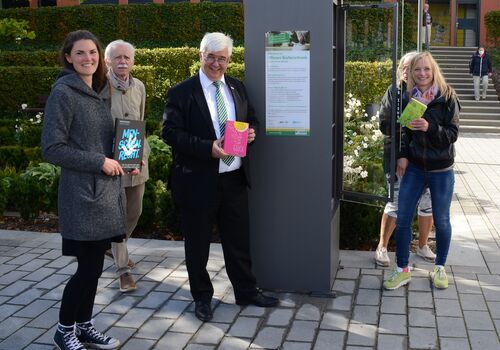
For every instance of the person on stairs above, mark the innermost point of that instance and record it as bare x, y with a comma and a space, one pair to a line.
480, 69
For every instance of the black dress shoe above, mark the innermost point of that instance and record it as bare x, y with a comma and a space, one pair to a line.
260, 300
203, 310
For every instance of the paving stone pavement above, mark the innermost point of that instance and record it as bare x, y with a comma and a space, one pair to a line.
160, 315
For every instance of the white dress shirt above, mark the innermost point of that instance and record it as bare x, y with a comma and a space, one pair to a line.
209, 92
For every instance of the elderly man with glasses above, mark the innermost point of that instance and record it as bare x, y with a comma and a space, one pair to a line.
128, 100
209, 186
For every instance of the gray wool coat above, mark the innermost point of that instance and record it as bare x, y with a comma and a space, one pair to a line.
77, 135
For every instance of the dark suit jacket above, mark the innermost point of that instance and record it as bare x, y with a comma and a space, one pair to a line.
188, 129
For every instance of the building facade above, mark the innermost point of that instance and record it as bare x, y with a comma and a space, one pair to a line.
455, 22
459, 22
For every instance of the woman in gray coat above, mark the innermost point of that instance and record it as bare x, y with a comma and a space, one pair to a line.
78, 136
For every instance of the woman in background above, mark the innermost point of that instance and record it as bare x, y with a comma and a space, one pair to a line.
480, 69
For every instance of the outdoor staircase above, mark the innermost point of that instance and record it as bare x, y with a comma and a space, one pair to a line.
481, 116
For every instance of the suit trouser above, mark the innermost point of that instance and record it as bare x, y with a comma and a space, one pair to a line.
478, 81
134, 209
230, 213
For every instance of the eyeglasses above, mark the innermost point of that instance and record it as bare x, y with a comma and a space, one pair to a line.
211, 59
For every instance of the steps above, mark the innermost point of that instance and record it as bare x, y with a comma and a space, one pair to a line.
476, 116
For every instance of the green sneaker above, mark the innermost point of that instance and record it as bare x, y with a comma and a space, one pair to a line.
439, 278
397, 279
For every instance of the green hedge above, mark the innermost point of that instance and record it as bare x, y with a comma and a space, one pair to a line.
359, 224
176, 60
20, 85
167, 25
19, 157
40, 58
367, 32
368, 81
492, 21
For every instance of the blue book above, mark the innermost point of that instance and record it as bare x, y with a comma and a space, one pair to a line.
128, 145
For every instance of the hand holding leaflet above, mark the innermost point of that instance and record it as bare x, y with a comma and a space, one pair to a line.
414, 110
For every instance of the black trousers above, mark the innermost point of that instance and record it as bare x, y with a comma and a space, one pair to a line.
230, 213
79, 294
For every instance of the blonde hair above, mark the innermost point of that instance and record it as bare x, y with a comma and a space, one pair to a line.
437, 77
406, 57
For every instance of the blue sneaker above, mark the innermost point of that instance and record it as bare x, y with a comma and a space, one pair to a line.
65, 339
92, 338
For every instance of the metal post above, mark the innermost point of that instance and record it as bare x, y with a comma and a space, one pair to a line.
402, 26
419, 25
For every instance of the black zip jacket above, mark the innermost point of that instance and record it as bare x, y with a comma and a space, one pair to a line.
385, 118
480, 66
433, 149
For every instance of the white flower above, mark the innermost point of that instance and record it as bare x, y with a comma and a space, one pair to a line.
364, 174
356, 152
373, 118
349, 142
365, 145
354, 133
365, 139
24, 106
31, 120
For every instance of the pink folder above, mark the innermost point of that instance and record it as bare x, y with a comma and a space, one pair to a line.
236, 138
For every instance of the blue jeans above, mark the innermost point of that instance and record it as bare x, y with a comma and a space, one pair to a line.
441, 185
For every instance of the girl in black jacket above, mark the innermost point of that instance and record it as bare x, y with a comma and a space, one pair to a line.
426, 159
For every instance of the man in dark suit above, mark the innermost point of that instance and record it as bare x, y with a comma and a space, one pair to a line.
209, 186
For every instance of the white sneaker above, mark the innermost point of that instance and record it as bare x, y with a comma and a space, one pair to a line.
426, 253
381, 257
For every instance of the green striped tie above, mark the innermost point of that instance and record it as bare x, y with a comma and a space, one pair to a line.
222, 115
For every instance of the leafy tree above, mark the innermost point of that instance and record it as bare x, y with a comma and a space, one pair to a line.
15, 30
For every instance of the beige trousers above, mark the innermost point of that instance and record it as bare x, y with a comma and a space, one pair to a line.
134, 209
425, 36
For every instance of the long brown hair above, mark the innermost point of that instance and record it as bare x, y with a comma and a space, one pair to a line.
99, 77
437, 77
